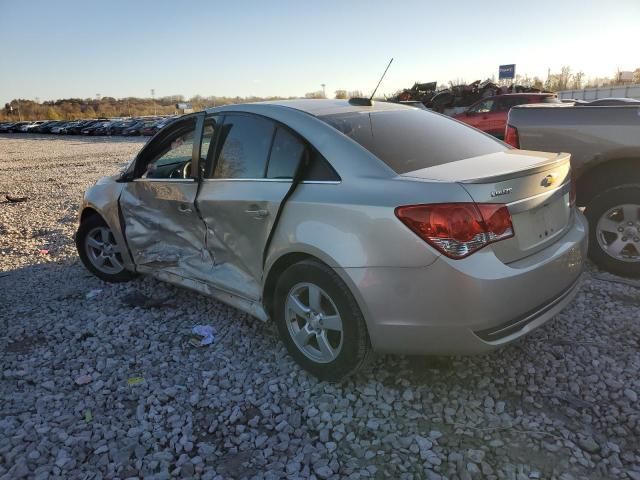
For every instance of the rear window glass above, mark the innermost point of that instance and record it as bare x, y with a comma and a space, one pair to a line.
411, 139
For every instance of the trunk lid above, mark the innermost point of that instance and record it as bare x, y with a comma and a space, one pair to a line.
535, 186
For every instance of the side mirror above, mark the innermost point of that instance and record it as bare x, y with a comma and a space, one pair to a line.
127, 172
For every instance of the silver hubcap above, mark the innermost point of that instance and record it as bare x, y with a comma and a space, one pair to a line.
618, 232
102, 250
314, 322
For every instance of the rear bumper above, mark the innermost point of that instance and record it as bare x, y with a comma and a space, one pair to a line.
472, 305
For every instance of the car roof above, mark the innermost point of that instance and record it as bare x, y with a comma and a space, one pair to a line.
320, 107
532, 94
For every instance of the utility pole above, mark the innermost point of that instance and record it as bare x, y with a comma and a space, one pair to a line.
19, 114
153, 97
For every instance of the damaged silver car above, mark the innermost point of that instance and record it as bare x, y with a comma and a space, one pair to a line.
354, 226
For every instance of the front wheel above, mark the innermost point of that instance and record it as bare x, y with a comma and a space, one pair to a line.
614, 230
320, 322
99, 251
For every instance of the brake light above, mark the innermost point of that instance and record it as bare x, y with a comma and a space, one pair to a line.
511, 136
458, 229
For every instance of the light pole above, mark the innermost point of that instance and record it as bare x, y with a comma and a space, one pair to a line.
19, 114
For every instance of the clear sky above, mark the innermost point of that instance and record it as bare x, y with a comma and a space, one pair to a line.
67, 48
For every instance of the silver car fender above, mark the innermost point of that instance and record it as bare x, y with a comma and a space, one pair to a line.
103, 199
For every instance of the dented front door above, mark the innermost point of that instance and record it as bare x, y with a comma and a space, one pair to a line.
162, 227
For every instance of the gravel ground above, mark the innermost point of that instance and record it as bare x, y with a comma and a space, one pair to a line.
100, 381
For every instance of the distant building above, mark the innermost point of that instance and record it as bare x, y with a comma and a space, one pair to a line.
184, 108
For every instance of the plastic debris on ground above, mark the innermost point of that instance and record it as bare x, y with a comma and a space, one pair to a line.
135, 380
88, 416
202, 335
43, 251
93, 293
83, 379
13, 199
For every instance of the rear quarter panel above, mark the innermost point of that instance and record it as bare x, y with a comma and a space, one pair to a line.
353, 224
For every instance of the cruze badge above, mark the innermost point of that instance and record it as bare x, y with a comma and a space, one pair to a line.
504, 191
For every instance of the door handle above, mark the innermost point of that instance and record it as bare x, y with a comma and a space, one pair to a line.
259, 213
184, 209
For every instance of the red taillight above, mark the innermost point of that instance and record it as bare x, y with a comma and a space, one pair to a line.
511, 136
458, 229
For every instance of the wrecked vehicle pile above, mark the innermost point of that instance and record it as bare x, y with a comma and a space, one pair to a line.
456, 96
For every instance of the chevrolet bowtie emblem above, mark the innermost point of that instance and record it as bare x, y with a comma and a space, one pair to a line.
548, 180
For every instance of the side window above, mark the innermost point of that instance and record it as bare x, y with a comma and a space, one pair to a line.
245, 141
482, 107
286, 154
320, 169
501, 105
172, 157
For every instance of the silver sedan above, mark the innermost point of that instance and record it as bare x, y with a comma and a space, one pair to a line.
356, 227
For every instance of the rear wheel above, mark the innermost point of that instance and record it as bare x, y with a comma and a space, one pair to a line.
99, 251
320, 322
614, 230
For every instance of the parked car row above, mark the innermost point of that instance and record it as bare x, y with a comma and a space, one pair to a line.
114, 126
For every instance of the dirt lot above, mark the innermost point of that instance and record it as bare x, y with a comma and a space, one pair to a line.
561, 404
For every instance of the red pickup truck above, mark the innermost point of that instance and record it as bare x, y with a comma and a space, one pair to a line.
490, 114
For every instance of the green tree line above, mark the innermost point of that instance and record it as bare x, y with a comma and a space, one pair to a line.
108, 107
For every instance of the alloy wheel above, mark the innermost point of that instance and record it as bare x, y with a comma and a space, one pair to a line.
618, 232
314, 323
103, 251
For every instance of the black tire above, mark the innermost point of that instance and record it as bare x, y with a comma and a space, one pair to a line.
356, 347
87, 225
597, 207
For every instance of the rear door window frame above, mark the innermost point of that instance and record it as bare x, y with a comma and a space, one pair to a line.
214, 154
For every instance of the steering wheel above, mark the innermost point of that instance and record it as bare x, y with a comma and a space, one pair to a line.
186, 170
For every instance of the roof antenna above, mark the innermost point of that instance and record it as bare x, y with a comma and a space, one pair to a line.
368, 102
385, 72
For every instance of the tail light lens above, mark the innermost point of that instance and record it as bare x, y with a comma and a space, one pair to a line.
511, 136
458, 229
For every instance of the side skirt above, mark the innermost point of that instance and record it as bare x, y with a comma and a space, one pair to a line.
251, 307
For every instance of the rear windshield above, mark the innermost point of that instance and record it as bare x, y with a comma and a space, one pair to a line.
411, 139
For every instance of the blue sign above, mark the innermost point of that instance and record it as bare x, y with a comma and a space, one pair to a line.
507, 71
